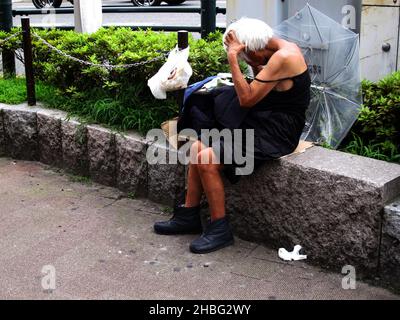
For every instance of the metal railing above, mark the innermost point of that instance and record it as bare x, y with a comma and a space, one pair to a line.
208, 11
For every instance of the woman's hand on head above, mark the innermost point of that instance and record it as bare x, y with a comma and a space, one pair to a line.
233, 44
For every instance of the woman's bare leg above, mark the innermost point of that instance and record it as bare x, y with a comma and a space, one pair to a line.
195, 189
218, 234
209, 171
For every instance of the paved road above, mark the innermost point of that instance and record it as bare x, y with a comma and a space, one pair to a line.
102, 246
126, 18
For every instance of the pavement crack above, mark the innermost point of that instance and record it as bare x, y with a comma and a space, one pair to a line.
119, 197
108, 205
112, 203
251, 251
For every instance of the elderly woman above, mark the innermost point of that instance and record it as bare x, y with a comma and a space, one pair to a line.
275, 103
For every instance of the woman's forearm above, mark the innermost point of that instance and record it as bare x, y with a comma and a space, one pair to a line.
242, 88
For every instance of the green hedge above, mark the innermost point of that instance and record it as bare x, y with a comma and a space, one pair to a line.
116, 46
376, 134
118, 98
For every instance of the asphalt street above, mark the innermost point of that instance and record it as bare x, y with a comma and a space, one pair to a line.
173, 19
100, 244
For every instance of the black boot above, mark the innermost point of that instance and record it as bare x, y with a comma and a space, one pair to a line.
184, 221
217, 235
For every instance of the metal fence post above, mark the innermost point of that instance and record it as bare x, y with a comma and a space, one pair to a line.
28, 59
183, 43
208, 17
183, 39
6, 23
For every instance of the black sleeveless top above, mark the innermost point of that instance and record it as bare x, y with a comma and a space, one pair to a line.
278, 120
298, 97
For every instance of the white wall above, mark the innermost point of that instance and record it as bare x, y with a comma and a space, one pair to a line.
380, 24
270, 11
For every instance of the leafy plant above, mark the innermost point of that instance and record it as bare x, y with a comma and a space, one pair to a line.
119, 98
385, 151
376, 133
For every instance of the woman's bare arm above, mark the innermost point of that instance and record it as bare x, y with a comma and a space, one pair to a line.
257, 70
250, 94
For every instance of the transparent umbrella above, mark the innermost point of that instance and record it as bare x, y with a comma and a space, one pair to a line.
332, 54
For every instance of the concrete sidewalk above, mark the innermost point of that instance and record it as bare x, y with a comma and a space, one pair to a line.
102, 246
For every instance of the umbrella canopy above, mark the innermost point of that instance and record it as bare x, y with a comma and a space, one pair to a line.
332, 55
88, 15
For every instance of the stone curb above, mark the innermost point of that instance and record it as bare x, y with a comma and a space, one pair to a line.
110, 158
74, 147
331, 203
50, 136
132, 169
2, 135
20, 133
389, 268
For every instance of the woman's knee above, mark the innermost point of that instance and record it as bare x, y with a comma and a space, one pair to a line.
207, 161
195, 149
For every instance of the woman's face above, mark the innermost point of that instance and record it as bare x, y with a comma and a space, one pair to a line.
255, 58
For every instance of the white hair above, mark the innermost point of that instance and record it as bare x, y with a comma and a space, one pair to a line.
253, 33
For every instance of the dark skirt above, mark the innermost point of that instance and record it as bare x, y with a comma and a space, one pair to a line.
278, 122
276, 133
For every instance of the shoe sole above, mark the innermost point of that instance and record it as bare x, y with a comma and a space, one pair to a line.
178, 233
230, 243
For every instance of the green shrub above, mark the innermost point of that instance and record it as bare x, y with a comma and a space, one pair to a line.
380, 115
376, 133
117, 46
118, 98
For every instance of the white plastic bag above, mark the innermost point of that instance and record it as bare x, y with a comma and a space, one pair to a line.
173, 75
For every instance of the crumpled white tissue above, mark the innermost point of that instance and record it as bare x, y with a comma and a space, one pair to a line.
291, 256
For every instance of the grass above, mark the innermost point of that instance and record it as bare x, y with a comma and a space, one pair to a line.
80, 179
168, 210
12, 91
121, 111
131, 195
386, 151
